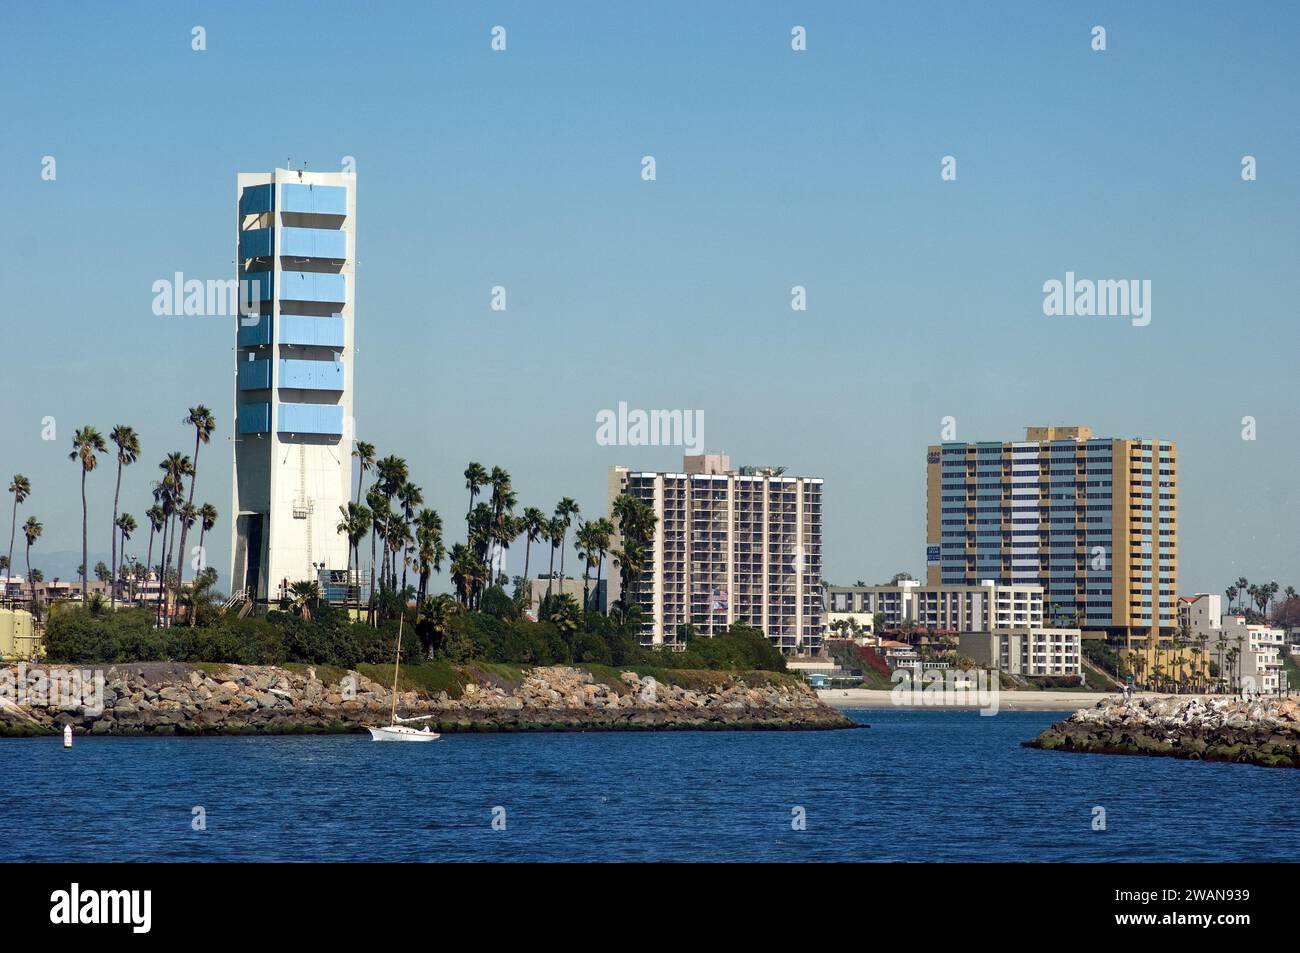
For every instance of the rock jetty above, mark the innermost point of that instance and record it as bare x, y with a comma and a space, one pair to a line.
170, 698
1261, 731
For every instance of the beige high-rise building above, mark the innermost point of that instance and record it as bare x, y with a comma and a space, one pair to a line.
1092, 520
729, 546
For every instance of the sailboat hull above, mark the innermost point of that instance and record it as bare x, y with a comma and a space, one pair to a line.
401, 733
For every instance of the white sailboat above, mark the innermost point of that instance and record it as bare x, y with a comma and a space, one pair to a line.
398, 728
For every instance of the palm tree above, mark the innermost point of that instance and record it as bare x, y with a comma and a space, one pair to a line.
175, 466
128, 451
304, 596
565, 511
430, 551
475, 478
365, 455
392, 473
86, 442
207, 516
1231, 592
157, 520
31, 532
555, 534
437, 614
378, 509
204, 424
465, 572
602, 533
21, 488
534, 526
585, 545
411, 498
1242, 585
354, 523
1222, 645
34, 578
125, 524
503, 501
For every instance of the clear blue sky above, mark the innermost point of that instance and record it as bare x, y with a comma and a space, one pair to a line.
775, 168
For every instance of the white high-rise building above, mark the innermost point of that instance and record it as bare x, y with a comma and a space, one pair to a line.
729, 546
296, 238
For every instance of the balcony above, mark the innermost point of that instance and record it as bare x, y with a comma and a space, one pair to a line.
312, 286
311, 375
308, 330
304, 330
314, 199
310, 419
255, 199
254, 375
254, 418
294, 242
314, 243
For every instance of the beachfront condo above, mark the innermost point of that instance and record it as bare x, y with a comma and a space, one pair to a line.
1092, 520
729, 546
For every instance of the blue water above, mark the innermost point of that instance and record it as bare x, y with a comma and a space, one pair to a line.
927, 786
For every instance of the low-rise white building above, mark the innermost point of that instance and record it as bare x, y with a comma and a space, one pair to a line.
982, 608
1026, 651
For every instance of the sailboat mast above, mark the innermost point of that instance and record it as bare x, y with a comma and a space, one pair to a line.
397, 663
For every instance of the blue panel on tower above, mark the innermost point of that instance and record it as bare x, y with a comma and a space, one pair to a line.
314, 199
311, 375
310, 418
312, 286
254, 418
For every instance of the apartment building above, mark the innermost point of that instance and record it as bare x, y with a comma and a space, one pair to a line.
742, 545
1259, 654
1032, 652
1094, 521
945, 608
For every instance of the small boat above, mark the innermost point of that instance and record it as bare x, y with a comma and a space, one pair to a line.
396, 730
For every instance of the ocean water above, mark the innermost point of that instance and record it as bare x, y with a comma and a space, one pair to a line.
915, 786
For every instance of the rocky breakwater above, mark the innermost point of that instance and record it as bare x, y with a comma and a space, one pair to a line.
167, 698
1263, 731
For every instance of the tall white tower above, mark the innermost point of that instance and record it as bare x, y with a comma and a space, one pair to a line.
296, 239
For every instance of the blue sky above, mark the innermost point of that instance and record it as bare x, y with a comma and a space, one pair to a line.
775, 168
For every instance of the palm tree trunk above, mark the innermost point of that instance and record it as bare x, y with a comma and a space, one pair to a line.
528, 548
85, 570
189, 503
599, 564
162, 573
13, 528
194, 609
562, 564
550, 576
31, 586
117, 490
370, 608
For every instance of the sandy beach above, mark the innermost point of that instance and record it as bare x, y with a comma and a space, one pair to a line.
1006, 700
